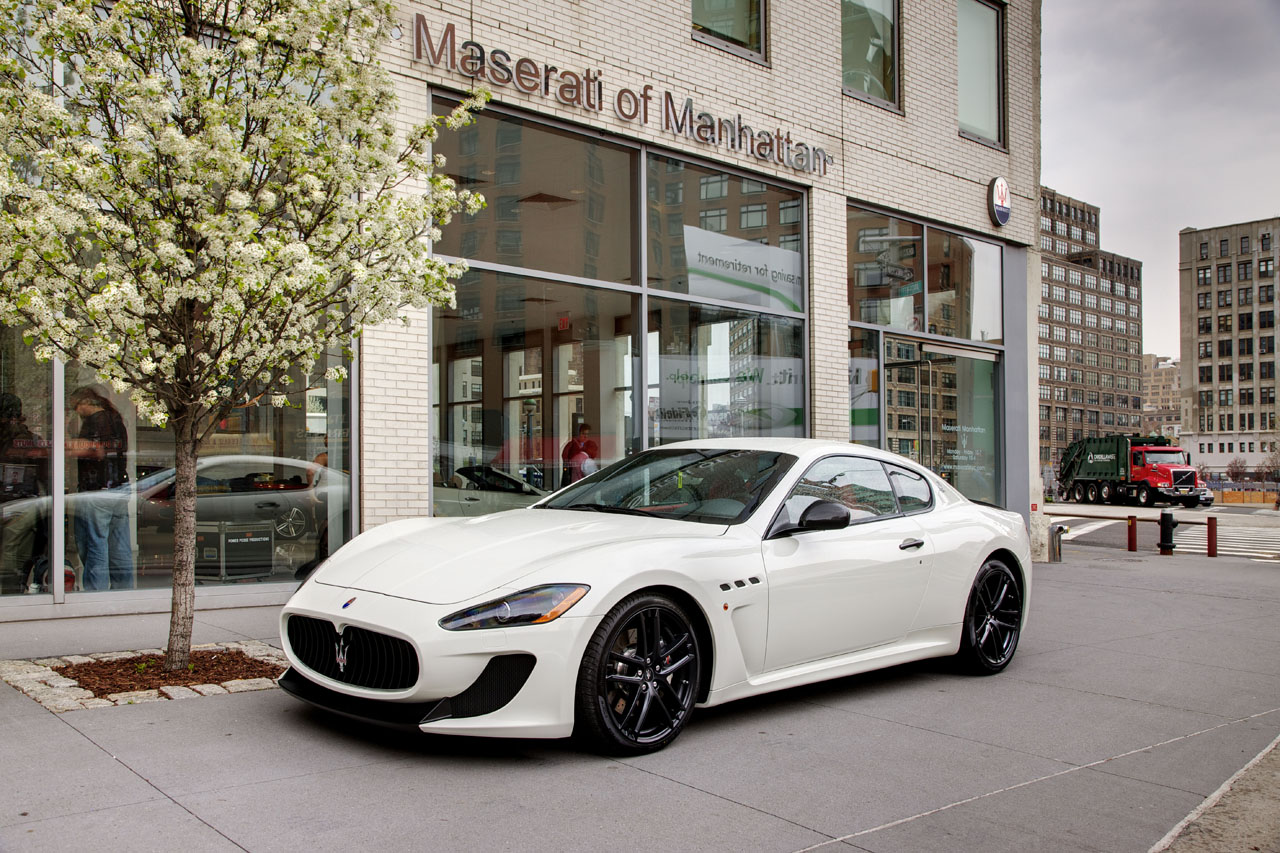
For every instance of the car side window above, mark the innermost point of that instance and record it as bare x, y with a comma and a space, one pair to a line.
912, 489
859, 484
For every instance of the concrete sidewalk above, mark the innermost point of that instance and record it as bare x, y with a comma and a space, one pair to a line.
1141, 686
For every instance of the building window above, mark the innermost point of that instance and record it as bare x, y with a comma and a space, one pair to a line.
1265, 239
1244, 245
1204, 251
1266, 267
1244, 270
1204, 275
868, 35
754, 215
979, 69
735, 25
1224, 248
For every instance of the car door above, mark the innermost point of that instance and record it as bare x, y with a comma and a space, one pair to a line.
832, 592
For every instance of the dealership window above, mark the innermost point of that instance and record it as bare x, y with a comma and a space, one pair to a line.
734, 25
734, 253
979, 68
27, 411
717, 371
868, 30
559, 212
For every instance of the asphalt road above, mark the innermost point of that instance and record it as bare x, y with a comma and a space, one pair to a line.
1141, 685
1249, 531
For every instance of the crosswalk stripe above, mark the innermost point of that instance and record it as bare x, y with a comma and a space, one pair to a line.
1232, 543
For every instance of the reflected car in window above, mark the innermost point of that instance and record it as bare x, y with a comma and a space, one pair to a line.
480, 490
237, 488
688, 575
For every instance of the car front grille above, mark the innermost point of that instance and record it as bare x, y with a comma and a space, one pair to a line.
357, 656
1183, 479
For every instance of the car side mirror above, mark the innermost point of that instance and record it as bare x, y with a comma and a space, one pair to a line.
825, 515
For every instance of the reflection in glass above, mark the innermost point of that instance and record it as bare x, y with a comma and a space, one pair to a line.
26, 426
941, 410
717, 372
735, 21
965, 291
864, 386
526, 365
868, 43
718, 236
886, 281
556, 201
978, 68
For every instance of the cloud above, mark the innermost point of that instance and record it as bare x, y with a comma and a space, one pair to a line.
1161, 112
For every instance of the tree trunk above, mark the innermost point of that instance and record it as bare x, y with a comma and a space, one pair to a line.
182, 613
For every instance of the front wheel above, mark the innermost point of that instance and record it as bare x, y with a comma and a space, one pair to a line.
1146, 496
992, 620
291, 523
639, 677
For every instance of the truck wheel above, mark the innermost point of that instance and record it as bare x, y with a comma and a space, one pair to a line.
1191, 503
1077, 493
1146, 497
1106, 493
1091, 493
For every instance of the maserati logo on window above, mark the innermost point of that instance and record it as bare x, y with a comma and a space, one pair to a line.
340, 649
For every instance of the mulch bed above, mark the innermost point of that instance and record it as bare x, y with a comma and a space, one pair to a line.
146, 672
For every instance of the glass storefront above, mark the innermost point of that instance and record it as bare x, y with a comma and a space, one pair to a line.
928, 387
273, 487
533, 376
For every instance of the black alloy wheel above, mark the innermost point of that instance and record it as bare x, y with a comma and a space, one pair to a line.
639, 677
992, 621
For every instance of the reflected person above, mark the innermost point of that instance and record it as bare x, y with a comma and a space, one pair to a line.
24, 460
101, 510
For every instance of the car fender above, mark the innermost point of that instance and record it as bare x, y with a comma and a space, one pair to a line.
736, 616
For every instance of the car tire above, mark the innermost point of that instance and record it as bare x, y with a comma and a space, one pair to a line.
1106, 493
1146, 497
291, 523
1091, 493
639, 677
992, 620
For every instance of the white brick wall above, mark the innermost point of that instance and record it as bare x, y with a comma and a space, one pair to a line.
914, 162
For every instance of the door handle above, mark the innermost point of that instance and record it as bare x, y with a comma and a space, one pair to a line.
470, 499
266, 505
908, 544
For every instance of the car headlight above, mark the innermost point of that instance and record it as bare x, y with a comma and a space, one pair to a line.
527, 607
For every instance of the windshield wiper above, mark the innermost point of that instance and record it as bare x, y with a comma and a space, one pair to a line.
620, 510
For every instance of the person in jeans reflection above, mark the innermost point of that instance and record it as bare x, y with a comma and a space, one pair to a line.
101, 511
24, 457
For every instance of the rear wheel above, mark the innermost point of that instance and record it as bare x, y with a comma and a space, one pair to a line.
639, 677
1191, 503
1077, 493
992, 620
1106, 493
1091, 493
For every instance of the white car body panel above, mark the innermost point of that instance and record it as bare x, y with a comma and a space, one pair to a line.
779, 612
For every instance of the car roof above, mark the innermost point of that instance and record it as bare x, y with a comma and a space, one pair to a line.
802, 447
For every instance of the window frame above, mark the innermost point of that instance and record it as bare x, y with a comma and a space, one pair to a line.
1001, 79
710, 39
895, 103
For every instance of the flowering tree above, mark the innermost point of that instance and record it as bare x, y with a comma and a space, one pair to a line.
202, 197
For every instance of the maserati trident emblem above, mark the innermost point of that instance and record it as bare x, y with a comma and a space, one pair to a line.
340, 652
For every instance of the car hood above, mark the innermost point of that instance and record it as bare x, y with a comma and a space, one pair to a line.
445, 561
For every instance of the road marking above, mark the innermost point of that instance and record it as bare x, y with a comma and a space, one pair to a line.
1082, 529
1233, 542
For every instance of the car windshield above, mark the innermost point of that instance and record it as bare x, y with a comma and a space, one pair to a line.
1165, 457
708, 486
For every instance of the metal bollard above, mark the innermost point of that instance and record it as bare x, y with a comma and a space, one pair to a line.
1055, 542
1167, 524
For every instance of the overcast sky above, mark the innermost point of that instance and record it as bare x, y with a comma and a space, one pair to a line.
1165, 114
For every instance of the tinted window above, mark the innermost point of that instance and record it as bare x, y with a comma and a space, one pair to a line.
912, 489
859, 484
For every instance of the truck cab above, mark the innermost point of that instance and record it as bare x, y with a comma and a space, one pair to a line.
1167, 473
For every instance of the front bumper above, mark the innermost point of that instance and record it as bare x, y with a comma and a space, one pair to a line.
506, 682
1169, 493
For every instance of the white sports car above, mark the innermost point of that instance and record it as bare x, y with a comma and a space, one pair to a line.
691, 574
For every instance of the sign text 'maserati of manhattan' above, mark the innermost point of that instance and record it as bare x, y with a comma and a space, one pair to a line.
586, 91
